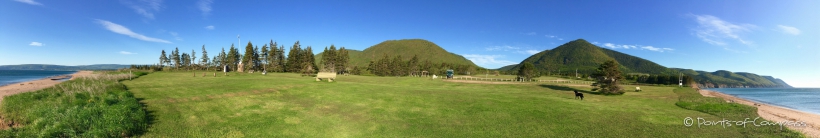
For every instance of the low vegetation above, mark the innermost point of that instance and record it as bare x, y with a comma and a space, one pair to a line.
93, 106
288, 105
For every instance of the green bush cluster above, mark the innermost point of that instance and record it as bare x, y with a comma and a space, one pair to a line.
88, 107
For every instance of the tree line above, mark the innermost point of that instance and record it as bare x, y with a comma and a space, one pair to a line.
270, 58
397, 66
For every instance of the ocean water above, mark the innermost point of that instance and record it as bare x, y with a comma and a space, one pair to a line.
803, 99
14, 76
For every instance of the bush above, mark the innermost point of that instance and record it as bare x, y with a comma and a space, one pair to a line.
93, 106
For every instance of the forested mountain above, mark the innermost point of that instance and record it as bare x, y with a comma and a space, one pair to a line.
728, 79
407, 48
506, 68
585, 57
61, 67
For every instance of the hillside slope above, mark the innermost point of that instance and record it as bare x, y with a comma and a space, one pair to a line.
585, 57
407, 48
728, 79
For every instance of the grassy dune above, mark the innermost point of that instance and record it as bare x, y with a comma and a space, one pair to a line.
92, 106
287, 105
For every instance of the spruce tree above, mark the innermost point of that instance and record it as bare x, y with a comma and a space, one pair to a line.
255, 58
292, 64
247, 59
204, 57
232, 58
175, 57
342, 60
193, 59
273, 58
264, 55
162, 58
309, 61
282, 58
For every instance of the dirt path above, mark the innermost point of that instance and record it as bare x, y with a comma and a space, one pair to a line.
777, 114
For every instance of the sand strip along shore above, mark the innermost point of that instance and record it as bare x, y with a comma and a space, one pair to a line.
36, 84
776, 113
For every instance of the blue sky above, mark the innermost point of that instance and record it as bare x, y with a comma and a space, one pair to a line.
777, 38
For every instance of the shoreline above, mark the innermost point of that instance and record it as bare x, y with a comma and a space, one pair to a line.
33, 85
776, 113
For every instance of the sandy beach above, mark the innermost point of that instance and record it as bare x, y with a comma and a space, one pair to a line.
776, 113
37, 84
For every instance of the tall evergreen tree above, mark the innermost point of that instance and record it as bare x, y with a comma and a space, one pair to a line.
293, 63
162, 58
264, 55
193, 59
185, 60
204, 57
413, 65
281, 58
247, 59
342, 60
175, 57
273, 58
396, 66
223, 59
256, 61
323, 61
308, 61
232, 58
383, 66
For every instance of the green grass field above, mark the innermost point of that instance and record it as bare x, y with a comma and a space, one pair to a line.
287, 105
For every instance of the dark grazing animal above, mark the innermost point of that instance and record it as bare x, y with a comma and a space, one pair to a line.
578, 95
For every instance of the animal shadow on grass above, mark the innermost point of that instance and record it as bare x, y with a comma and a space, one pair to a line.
568, 89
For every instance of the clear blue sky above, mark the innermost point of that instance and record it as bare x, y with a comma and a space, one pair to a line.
777, 38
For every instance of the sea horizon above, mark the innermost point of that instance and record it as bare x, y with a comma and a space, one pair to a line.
8, 77
800, 99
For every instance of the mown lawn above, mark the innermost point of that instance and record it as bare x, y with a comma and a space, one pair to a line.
287, 105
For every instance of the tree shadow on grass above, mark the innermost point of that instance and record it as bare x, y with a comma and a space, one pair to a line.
150, 118
570, 89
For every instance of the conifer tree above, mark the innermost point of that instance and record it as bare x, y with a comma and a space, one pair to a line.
342, 60
308, 61
193, 59
204, 57
607, 77
263, 54
273, 58
162, 58
281, 58
293, 61
396, 66
247, 59
232, 58
184, 60
256, 61
175, 57
413, 65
